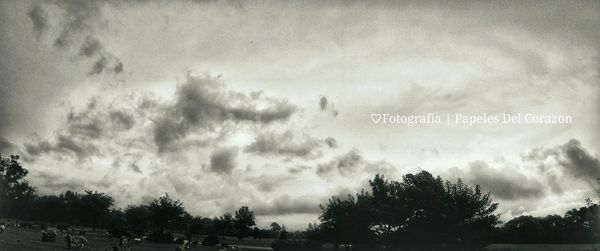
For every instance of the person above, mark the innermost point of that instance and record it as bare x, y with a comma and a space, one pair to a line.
2, 228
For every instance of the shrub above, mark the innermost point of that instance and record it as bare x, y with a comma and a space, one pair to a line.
296, 245
210, 240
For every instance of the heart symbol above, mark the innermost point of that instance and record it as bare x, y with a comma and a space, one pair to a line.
376, 117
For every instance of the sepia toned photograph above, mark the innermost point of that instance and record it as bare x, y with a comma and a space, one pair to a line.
342, 125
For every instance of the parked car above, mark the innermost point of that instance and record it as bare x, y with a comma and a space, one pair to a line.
49, 235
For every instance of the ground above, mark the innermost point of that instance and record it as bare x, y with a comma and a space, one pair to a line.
19, 239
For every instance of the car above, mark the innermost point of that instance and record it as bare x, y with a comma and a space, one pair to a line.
49, 236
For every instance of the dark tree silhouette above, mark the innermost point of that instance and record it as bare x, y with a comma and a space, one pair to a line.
579, 225
419, 212
95, 207
275, 230
137, 218
243, 222
224, 224
15, 192
165, 212
51, 208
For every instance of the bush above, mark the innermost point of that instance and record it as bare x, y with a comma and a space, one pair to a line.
296, 245
210, 240
162, 237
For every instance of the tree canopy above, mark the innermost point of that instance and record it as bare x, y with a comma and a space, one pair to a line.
421, 210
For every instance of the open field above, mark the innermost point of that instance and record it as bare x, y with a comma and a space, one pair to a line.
540, 247
19, 239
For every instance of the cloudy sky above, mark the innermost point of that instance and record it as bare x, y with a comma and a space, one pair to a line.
268, 104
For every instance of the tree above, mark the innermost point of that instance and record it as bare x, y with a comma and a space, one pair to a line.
347, 221
137, 218
115, 223
275, 229
199, 225
224, 224
314, 232
283, 234
165, 212
243, 222
51, 208
419, 212
16, 195
95, 207
74, 206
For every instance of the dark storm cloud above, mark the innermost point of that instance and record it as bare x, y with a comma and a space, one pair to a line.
63, 146
85, 126
327, 106
554, 169
575, 160
345, 164
83, 130
285, 205
78, 17
75, 28
97, 120
351, 163
204, 103
39, 19
503, 184
298, 169
268, 183
331, 142
122, 120
323, 103
6, 147
285, 144
90, 47
223, 161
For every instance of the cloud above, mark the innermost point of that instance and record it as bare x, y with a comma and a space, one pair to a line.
223, 161
56, 183
345, 164
90, 47
64, 145
503, 183
331, 142
76, 28
287, 144
83, 131
6, 147
544, 172
122, 120
39, 19
298, 169
267, 182
204, 103
327, 106
571, 158
285, 205
97, 120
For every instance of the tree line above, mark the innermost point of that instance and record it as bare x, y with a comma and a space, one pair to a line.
418, 212
18, 200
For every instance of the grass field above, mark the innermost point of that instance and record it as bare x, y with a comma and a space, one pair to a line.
19, 239
540, 247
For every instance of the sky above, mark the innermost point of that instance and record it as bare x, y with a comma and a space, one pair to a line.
269, 103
